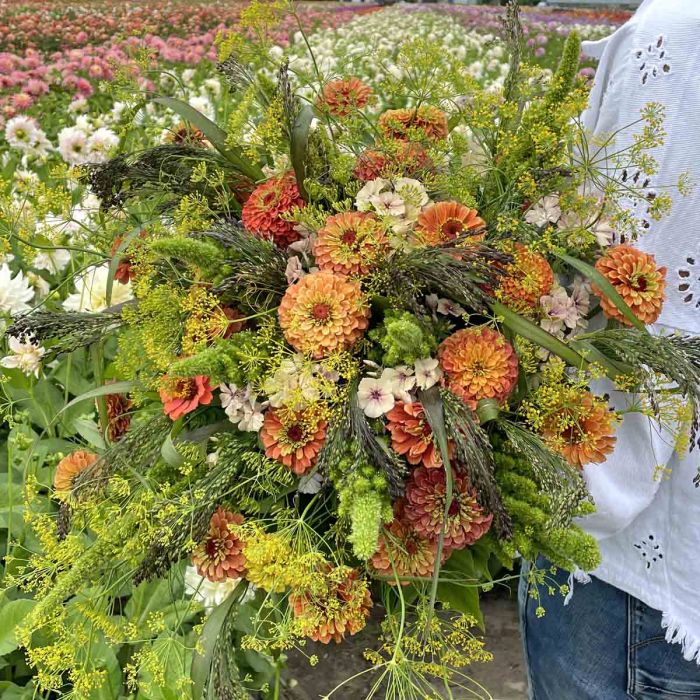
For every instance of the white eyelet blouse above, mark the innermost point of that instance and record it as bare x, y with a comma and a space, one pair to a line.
648, 498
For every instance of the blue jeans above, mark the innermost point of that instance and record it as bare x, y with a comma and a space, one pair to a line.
604, 645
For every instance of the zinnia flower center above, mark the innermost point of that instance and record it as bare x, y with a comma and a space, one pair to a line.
321, 311
452, 228
454, 508
214, 548
640, 283
349, 237
572, 435
295, 433
184, 388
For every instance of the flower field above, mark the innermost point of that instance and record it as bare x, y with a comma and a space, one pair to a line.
295, 307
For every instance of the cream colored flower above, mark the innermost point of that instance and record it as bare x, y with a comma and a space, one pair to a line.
91, 291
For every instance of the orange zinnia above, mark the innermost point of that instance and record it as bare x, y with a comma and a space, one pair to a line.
638, 281
397, 159
425, 508
525, 280
294, 438
444, 221
582, 433
263, 212
350, 243
425, 121
181, 395
479, 363
342, 608
401, 551
412, 436
323, 313
68, 468
220, 555
342, 97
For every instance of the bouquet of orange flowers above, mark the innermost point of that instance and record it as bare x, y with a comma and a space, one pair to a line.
350, 365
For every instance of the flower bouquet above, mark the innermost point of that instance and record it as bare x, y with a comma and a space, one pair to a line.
346, 367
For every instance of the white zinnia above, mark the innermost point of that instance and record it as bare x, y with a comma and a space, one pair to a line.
26, 356
375, 397
15, 292
91, 291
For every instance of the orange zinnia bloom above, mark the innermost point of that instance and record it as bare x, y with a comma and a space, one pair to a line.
401, 551
343, 608
583, 433
220, 555
425, 508
412, 436
525, 281
323, 313
294, 438
479, 363
262, 213
182, 395
342, 97
638, 281
444, 221
426, 121
350, 243
68, 468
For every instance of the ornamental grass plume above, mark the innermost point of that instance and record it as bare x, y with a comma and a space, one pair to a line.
350, 243
637, 280
525, 280
264, 210
68, 468
412, 436
323, 313
181, 395
339, 603
425, 507
402, 551
425, 122
444, 221
344, 96
294, 438
479, 363
219, 555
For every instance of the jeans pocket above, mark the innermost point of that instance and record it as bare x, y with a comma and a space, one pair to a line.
656, 669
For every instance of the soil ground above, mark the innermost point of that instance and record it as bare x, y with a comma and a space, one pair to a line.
503, 678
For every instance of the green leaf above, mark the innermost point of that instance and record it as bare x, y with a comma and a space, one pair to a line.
462, 598
214, 133
299, 142
170, 453
527, 329
201, 663
605, 287
434, 412
90, 432
12, 613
